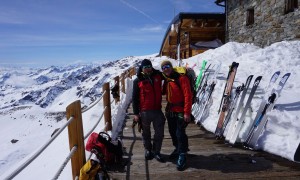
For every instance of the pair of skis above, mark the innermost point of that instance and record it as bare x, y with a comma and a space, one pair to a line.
226, 99
205, 94
238, 121
266, 106
243, 88
209, 90
238, 109
200, 89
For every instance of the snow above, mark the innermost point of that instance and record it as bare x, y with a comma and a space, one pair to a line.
33, 125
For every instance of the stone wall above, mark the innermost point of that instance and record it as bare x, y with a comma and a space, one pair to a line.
271, 24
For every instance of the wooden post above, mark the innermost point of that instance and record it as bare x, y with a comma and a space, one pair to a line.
132, 72
123, 82
106, 103
76, 137
117, 83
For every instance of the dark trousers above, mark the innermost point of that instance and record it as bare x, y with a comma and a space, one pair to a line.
177, 127
158, 119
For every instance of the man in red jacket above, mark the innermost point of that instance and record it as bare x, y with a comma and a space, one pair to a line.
146, 103
178, 111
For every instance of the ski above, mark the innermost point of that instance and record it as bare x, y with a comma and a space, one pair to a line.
239, 107
199, 78
239, 122
262, 116
225, 101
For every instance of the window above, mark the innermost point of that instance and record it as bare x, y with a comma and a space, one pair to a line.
250, 17
290, 6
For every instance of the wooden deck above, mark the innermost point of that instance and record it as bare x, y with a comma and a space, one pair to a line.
208, 158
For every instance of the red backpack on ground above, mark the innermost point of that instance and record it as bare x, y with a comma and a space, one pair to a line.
102, 146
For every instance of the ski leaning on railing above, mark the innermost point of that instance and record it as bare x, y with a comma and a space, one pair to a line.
239, 121
226, 97
262, 115
238, 109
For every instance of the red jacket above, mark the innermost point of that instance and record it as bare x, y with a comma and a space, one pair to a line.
147, 92
179, 96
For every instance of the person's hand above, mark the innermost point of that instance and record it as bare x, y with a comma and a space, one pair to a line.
187, 118
136, 118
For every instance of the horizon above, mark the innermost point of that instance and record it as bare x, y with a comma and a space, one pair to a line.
63, 32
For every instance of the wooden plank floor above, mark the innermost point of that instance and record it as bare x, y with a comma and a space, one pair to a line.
208, 158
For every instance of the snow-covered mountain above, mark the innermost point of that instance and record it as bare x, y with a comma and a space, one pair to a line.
42, 87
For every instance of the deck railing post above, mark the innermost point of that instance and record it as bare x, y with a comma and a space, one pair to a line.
117, 84
107, 106
76, 137
132, 72
123, 82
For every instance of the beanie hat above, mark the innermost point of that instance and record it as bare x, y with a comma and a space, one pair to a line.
165, 62
146, 62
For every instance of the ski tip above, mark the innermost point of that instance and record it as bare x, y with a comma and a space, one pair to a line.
234, 64
258, 78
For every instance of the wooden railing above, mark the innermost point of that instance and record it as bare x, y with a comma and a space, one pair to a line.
76, 129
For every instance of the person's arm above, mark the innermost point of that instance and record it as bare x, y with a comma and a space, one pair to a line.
187, 93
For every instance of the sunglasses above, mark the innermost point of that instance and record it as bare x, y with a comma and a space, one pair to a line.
146, 67
167, 66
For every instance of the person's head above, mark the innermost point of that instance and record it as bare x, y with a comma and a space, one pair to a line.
166, 67
146, 67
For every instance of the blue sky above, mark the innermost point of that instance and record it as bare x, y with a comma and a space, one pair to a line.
59, 32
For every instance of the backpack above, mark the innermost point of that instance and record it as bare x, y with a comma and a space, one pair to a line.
190, 73
104, 148
89, 170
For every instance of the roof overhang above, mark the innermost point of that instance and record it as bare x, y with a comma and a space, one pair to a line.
199, 26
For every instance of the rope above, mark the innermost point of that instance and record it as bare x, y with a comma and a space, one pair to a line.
73, 150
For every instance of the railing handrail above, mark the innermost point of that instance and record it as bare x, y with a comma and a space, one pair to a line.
93, 104
94, 127
73, 150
